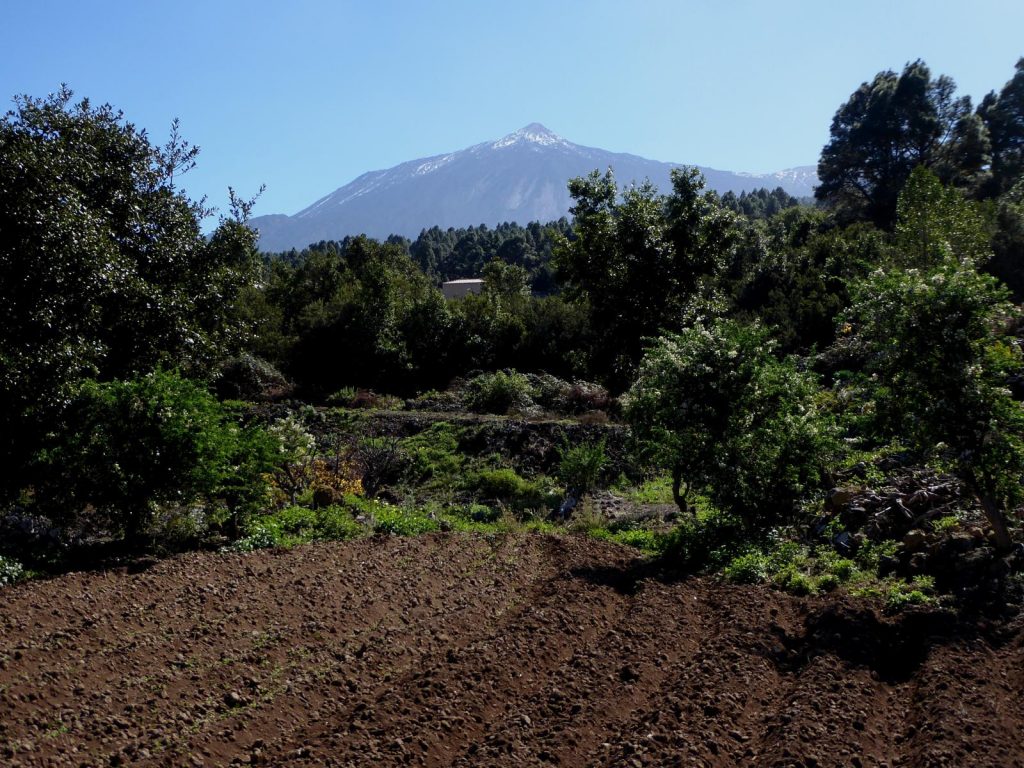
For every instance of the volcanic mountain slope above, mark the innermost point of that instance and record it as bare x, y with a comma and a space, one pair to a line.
521, 177
459, 650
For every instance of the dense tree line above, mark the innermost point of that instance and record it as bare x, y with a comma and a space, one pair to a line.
460, 252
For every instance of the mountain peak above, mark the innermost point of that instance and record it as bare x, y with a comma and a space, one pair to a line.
534, 133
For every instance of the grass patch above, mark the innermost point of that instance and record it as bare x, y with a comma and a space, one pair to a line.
657, 490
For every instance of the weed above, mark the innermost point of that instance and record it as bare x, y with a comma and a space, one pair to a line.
751, 568
398, 521
581, 465
657, 490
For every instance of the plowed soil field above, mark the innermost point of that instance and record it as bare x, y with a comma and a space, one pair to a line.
454, 650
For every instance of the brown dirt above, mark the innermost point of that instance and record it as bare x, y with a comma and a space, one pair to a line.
451, 650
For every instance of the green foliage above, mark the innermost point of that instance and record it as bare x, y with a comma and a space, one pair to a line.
656, 490
638, 264
580, 465
748, 568
295, 525
130, 446
704, 541
448, 254
793, 568
104, 270
498, 392
901, 594
344, 397
886, 129
717, 409
759, 203
506, 486
502, 483
934, 342
1003, 114
399, 521
363, 316
11, 571
869, 555
935, 224
644, 539
434, 454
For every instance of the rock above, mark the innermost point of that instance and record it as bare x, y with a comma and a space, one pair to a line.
961, 542
838, 498
887, 565
914, 541
628, 675
232, 699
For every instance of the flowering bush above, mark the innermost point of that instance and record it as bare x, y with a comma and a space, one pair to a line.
715, 407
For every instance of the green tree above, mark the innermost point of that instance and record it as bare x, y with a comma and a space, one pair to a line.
1003, 114
104, 271
637, 264
887, 128
936, 222
716, 408
934, 340
1007, 262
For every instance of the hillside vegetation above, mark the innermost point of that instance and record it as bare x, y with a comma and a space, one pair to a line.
818, 397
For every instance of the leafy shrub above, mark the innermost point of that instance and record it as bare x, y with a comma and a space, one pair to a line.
481, 513
581, 464
130, 446
505, 485
750, 568
828, 582
935, 341
706, 540
250, 378
398, 521
11, 571
791, 579
499, 392
343, 398
434, 453
917, 592
717, 409
295, 525
502, 483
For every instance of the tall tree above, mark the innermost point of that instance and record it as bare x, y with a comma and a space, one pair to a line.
104, 270
887, 128
1003, 114
638, 262
933, 332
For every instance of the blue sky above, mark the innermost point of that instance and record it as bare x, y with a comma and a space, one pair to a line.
304, 96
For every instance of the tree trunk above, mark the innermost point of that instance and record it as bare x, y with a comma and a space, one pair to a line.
996, 520
677, 483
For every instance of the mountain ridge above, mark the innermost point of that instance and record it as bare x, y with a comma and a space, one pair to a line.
520, 177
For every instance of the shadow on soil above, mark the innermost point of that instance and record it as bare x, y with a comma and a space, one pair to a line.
852, 632
893, 648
